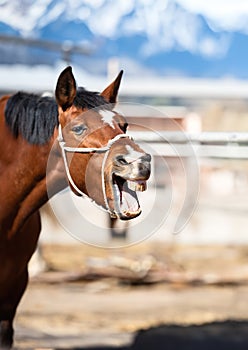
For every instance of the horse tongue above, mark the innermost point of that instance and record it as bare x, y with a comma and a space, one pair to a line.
129, 202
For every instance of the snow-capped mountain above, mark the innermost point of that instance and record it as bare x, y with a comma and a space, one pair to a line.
161, 37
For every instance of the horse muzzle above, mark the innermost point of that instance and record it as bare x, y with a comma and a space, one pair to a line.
129, 176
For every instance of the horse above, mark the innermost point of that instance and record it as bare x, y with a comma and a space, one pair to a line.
91, 153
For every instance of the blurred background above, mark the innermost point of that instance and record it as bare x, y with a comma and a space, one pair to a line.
187, 60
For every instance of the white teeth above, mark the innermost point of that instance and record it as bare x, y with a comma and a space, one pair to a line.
142, 186
131, 185
136, 185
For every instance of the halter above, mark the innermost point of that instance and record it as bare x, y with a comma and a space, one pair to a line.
104, 149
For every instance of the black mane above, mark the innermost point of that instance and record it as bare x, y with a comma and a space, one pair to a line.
32, 116
89, 99
35, 117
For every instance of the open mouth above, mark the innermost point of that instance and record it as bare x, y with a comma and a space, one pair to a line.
126, 201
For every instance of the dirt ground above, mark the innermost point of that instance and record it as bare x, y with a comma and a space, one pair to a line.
150, 296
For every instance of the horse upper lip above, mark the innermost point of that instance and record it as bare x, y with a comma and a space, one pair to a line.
137, 185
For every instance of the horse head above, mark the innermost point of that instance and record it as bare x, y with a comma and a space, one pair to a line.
101, 161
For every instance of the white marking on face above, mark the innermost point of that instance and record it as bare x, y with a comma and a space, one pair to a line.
107, 117
132, 154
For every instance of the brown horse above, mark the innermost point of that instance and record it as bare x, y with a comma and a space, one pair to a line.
97, 160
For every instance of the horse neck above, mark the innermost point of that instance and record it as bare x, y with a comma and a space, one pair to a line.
24, 179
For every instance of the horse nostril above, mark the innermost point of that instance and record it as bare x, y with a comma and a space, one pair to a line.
146, 157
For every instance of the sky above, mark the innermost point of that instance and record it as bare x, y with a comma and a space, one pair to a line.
221, 14
167, 25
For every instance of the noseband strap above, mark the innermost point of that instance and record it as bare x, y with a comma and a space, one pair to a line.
104, 149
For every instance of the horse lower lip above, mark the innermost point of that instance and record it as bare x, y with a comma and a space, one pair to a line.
129, 215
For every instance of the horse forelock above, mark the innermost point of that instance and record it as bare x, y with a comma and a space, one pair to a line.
90, 99
32, 116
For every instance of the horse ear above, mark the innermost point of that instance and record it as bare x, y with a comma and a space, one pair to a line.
66, 89
111, 92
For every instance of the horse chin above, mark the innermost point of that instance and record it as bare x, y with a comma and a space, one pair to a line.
126, 202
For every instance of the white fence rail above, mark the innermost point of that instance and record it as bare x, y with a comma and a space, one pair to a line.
226, 145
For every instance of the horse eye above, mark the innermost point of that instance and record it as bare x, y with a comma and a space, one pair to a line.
78, 129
